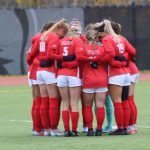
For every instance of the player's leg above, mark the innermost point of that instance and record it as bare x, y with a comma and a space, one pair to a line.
44, 109
75, 94
85, 128
62, 83
35, 94
116, 92
64, 91
54, 103
109, 113
132, 129
126, 107
88, 98
100, 98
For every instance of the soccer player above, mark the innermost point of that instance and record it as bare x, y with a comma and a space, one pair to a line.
35, 87
134, 72
94, 81
68, 79
46, 75
116, 47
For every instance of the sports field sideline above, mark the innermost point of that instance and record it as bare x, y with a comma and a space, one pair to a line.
15, 122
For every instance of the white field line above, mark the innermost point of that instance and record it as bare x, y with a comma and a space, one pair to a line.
29, 121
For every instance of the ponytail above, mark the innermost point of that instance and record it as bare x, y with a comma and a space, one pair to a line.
62, 23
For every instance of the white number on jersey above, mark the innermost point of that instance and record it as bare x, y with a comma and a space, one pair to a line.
65, 51
42, 46
121, 47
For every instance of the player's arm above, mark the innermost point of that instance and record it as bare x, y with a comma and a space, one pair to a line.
130, 49
34, 51
109, 50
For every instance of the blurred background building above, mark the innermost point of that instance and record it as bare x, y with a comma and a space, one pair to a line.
21, 19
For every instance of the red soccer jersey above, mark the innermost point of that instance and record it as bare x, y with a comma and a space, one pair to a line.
41, 52
93, 78
68, 47
114, 48
33, 40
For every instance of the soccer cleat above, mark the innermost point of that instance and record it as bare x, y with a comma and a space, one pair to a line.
47, 133
57, 132
98, 132
119, 132
132, 130
85, 130
35, 133
107, 129
75, 133
90, 132
67, 134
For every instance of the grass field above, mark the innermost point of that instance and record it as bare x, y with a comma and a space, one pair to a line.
15, 126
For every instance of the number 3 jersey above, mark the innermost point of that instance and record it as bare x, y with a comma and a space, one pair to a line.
66, 47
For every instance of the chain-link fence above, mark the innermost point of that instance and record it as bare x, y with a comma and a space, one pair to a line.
58, 3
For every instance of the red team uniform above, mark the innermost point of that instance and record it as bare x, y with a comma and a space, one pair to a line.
68, 76
119, 76
94, 79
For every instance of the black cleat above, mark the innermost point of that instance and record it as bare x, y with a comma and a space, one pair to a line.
90, 132
125, 131
98, 132
67, 134
75, 133
119, 132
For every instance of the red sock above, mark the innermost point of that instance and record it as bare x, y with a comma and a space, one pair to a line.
100, 116
118, 110
54, 112
44, 112
126, 111
136, 112
88, 114
32, 112
83, 118
133, 109
66, 119
59, 109
38, 124
74, 119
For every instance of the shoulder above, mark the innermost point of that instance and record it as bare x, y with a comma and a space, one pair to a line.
83, 37
36, 37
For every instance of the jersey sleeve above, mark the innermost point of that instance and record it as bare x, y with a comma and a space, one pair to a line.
118, 64
130, 49
71, 64
34, 51
52, 50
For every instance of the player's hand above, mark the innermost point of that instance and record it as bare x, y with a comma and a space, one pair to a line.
94, 65
36, 61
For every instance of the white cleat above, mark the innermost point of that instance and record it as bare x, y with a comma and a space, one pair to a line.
132, 129
57, 132
47, 133
35, 133
85, 130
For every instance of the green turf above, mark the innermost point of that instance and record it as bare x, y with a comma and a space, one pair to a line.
15, 103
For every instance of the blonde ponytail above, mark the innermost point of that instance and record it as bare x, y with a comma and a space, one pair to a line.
60, 23
109, 30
